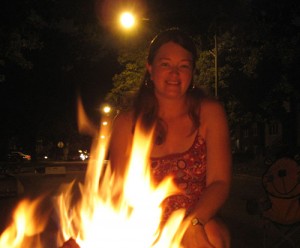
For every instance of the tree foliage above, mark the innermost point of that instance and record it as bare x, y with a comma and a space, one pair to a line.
128, 80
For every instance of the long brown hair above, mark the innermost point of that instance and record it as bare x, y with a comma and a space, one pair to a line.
145, 104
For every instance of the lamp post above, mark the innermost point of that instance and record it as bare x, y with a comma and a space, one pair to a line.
215, 55
216, 66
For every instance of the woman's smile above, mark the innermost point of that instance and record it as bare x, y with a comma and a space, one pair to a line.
173, 82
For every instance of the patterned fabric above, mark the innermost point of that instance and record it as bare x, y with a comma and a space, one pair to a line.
189, 172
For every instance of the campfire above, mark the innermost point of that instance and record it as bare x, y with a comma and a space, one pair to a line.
110, 212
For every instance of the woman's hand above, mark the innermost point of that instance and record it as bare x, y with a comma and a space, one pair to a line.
195, 237
71, 243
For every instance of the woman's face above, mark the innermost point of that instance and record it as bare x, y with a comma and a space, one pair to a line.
171, 71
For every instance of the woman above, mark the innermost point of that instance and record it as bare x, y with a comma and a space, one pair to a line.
191, 140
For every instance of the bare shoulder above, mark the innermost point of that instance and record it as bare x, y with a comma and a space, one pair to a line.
211, 108
212, 117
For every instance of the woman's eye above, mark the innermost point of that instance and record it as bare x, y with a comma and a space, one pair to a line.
165, 64
185, 66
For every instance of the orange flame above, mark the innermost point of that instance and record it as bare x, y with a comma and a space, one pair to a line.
24, 231
99, 218
131, 221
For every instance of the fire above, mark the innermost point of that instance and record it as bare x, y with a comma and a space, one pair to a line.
111, 212
115, 212
24, 231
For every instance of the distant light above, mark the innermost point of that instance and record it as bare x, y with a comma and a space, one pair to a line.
83, 156
127, 20
106, 109
60, 144
104, 123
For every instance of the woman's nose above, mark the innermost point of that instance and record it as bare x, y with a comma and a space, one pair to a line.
174, 69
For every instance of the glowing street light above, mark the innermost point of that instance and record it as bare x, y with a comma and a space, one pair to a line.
106, 109
127, 20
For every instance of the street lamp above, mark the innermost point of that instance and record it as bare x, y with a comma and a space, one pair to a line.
106, 120
106, 109
127, 20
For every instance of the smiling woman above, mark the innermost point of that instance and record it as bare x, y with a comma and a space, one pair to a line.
191, 139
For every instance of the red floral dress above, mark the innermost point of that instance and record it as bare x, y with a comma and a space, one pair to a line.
189, 172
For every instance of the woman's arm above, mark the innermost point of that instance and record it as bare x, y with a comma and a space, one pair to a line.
218, 178
211, 232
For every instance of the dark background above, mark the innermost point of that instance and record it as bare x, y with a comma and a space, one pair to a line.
54, 50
